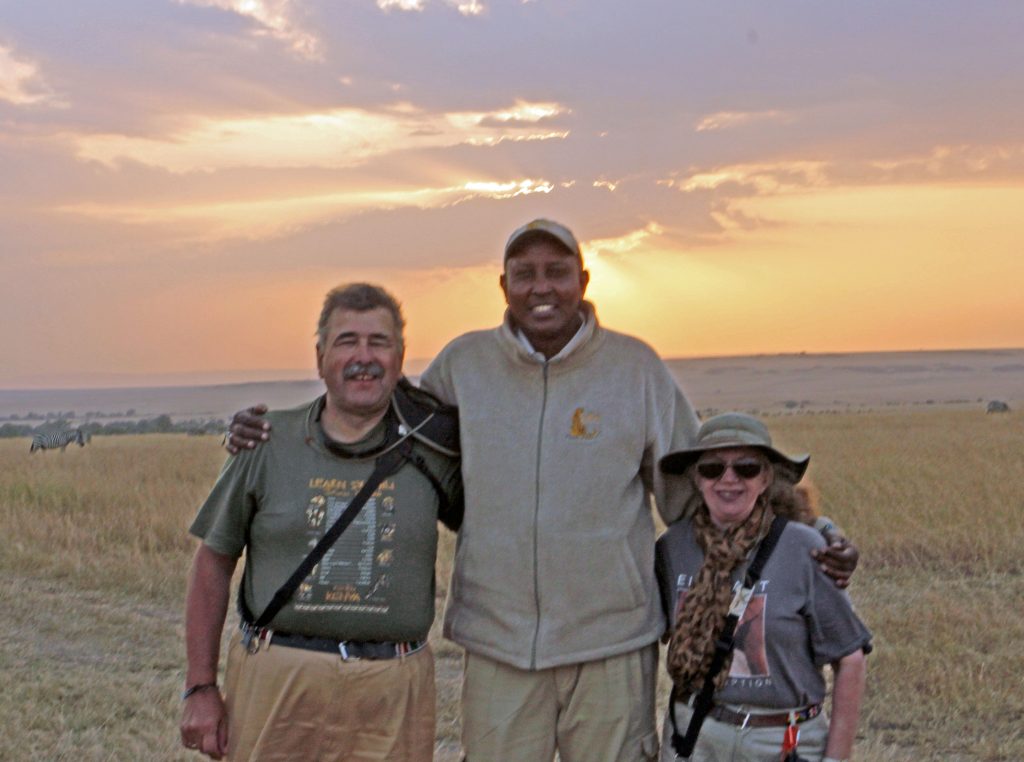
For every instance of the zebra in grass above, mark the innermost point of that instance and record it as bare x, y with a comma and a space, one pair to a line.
61, 439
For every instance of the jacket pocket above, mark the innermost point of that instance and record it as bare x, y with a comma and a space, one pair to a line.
593, 580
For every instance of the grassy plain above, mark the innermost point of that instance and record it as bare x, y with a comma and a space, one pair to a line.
94, 555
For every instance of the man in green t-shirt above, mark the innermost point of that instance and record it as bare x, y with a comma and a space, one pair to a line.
342, 669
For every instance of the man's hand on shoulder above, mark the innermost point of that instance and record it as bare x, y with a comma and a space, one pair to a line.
247, 429
204, 723
838, 559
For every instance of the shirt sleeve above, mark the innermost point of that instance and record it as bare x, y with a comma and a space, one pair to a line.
437, 380
674, 427
223, 520
835, 628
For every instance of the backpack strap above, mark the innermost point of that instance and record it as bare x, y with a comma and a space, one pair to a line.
684, 745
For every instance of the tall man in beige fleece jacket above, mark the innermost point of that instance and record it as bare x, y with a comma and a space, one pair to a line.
552, 595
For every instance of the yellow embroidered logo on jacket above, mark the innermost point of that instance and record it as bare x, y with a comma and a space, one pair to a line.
584, 425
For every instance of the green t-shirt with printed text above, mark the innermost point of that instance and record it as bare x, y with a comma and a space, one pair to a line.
276, 501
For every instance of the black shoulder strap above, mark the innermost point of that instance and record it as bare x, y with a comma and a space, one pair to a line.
436, 425
427, 418
684, 746
764, 551
387, 464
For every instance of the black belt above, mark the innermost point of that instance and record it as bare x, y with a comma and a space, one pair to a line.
347, 649
772, 719
775, 719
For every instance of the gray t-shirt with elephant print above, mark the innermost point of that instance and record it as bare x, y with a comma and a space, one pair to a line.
796, 622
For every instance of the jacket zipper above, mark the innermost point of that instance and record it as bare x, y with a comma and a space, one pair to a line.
536, 520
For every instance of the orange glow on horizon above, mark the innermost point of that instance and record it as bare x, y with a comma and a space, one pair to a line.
886, 268
837, 271
834, 270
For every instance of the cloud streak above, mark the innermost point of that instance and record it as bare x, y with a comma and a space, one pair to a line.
269, 217
21, 83
274, 18
337, 138
727, 120
464, 7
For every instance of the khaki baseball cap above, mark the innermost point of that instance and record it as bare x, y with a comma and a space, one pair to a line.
543, 227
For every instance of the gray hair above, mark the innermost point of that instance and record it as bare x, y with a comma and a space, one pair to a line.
359, 297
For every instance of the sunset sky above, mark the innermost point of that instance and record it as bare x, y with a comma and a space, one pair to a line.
182, 180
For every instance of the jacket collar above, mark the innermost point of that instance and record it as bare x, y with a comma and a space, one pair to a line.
579, 346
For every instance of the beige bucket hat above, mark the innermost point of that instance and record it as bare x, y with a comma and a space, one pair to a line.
732, 430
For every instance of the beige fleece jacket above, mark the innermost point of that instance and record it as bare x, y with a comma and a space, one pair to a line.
555, 559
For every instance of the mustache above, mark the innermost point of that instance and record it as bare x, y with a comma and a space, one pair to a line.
372, 369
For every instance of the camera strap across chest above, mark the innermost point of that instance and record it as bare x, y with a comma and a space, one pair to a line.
702, 704
387, 464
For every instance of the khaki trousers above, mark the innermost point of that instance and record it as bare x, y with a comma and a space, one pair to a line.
724, 742
292, 704
599, 711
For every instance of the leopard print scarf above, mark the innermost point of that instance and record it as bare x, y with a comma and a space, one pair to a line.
703, 613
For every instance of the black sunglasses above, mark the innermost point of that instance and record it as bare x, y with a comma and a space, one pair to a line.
744, 469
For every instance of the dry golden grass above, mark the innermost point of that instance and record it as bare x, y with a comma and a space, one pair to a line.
935, 501
107, 516
95, 551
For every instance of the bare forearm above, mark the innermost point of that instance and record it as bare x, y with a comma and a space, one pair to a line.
206, 605
847, 693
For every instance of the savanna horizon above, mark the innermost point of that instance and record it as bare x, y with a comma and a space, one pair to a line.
413, 366
764, 384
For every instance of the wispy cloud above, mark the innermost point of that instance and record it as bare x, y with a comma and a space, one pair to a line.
770, 177
465, 7
401, 5
509, 189
20, 81
276, 18
944, 160
468, 7
522, 112
941, 163
631, 241
260, 218
725, 120
338, 138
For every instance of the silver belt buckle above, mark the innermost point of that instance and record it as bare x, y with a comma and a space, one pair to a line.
250, 639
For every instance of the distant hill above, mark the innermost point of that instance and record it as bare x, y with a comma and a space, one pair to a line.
768, 383
777, 383
179, 401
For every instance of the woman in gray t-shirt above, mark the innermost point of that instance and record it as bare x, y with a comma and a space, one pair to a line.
795, 622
